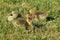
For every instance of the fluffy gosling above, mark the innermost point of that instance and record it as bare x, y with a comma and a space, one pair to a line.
17, 20
37, 14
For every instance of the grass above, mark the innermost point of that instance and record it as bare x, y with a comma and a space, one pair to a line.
51, 29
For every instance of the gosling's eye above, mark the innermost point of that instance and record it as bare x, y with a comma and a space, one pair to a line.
11, 15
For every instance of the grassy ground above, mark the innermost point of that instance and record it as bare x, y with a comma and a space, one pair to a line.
51, 29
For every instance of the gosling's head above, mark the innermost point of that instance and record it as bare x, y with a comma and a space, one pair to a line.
32, 11
12, 16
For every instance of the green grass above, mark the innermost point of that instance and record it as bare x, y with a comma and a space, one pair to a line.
50, 31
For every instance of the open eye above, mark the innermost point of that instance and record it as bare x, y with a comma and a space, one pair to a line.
11, 15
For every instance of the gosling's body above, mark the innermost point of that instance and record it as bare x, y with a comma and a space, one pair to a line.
21, 22
41, 15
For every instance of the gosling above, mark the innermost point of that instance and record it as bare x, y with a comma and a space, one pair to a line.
37, 14
17, 20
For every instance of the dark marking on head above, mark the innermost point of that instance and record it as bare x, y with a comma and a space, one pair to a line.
11, 15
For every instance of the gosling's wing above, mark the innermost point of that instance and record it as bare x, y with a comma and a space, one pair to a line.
21, 21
